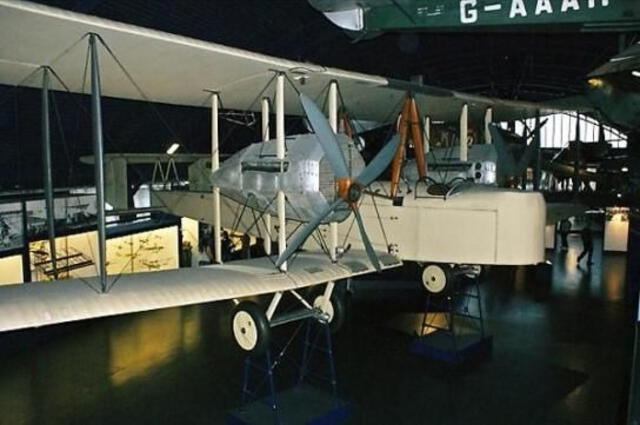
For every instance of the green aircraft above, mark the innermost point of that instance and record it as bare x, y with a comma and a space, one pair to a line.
367, 18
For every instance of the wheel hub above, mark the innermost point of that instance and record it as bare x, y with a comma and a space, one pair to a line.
434, 278
244, 330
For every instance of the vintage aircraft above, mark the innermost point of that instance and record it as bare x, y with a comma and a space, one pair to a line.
613, 89
131, 62
368, 18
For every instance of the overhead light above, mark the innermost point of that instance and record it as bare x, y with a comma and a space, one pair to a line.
619, 195
595, 83
173, 148
635, 74
624, 169
592, 170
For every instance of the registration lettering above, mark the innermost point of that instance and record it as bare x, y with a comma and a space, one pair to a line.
470, 10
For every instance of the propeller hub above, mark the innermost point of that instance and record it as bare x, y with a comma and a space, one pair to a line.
355, 191
349, 190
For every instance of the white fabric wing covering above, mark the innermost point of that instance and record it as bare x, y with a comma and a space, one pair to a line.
179, 70
38, 304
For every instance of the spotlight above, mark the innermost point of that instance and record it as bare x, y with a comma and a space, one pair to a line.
173, 148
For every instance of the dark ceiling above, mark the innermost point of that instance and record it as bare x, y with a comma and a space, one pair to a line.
517, 66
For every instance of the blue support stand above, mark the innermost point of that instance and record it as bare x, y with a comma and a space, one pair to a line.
312, 399
453, 329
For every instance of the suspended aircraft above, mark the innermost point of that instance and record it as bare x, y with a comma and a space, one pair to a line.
368, 18
613, 90
136, 62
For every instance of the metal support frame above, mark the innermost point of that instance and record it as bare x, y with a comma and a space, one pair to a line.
268, 369
259, 381
215, 164
457, 305
464, 130
46, 169
280, 153
265, 136
488, 119
98, 153
312, 345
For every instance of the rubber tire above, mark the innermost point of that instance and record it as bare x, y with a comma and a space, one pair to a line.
447, 273
261, 325
339, 304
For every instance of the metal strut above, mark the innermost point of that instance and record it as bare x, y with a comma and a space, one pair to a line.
410, 128
98, 153
46, 162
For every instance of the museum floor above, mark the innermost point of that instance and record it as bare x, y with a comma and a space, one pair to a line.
562, 355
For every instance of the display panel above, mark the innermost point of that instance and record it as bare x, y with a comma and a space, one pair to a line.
77, 254
11, 232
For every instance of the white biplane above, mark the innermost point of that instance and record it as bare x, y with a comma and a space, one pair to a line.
173, 69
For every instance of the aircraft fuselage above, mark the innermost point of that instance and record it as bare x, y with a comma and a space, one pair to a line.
254, 175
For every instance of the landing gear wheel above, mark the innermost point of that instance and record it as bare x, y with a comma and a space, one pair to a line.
335, 309
436, 278
250, 327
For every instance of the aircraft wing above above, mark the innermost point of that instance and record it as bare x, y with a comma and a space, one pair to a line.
38, 304
179, 70
627, 60
149, 158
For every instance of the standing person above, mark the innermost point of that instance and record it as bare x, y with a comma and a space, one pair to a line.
203, 257
565, 228
246, 246
587, 243
225, 246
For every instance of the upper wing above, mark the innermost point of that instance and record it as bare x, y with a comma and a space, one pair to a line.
627, 60
179, 70
38, 304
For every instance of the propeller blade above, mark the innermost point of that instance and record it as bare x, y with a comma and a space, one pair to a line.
326, 137
380, 162
367, 243
301, 235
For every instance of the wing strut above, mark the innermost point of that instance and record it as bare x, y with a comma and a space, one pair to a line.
410, 128
98, 153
